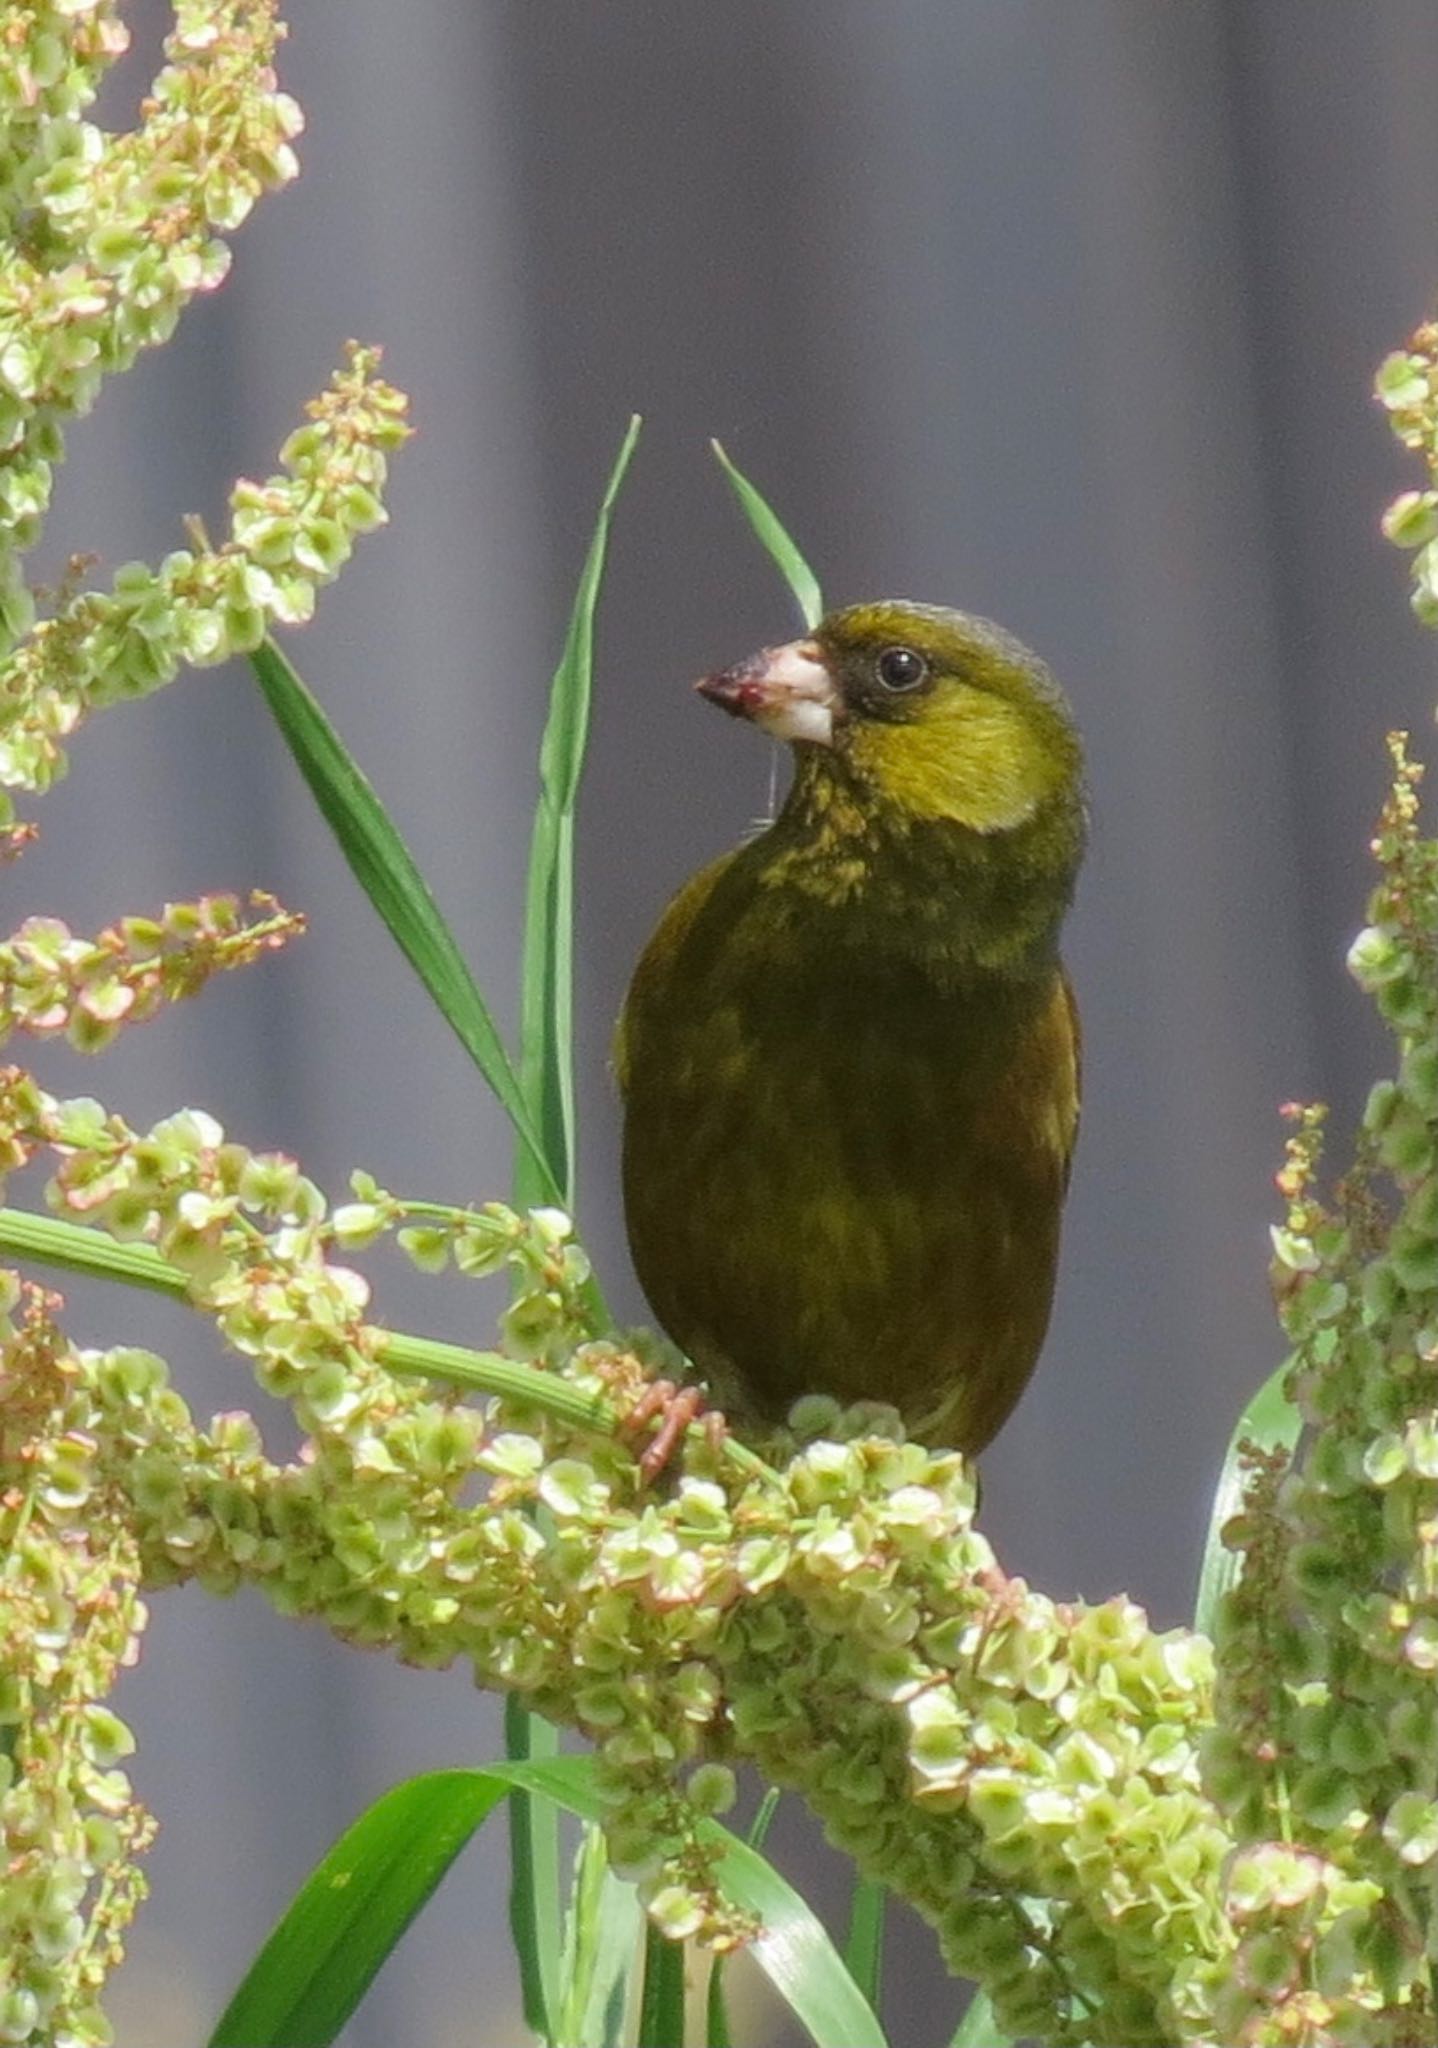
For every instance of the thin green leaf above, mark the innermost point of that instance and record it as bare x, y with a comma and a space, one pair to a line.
547, 1017
774, 539
795, 1953
534, 1912
759, 1827
661, 2009
978, 2027
716, 2009
1272, 1422
352, 1910
717, 2033
546, 1079
601, 1941
864, 1943
385, 869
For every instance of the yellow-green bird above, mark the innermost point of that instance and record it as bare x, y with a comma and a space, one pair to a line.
849, 1055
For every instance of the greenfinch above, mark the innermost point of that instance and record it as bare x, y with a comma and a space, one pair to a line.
849, 1055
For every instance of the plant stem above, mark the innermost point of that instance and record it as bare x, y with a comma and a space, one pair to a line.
74, 1249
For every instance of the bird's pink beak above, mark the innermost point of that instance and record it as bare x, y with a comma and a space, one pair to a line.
787, 690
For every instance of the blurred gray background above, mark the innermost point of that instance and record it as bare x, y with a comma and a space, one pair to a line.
1065, 311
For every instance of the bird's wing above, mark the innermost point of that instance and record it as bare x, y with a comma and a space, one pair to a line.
647, 987
1076, 1046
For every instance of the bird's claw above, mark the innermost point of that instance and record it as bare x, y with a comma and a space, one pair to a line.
676, 1407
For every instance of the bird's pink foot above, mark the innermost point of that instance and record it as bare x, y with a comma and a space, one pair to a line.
674, 1407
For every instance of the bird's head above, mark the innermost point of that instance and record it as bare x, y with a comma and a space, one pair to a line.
938, 714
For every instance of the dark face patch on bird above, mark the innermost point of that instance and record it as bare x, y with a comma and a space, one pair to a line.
894, 674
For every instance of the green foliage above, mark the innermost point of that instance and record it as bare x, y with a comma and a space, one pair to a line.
546, 1172
203, 604
1407, 386
385, 869
864, 1944
317, 1964
1120, 1835
547, 1019
1266, 1430
775, 541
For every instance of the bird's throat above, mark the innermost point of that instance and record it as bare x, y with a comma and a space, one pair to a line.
930, 890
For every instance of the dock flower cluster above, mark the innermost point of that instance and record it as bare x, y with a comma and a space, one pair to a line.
71, 1617
1117, 1851
1025, 1772
1327, 1763
107, 237
1125, 1835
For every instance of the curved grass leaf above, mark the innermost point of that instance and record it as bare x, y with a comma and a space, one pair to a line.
864, 1943
546, 1066
661, 2009
1271, 1421
794, 1951
546, 1080
775, 541
601, 1944
535, 1920
352, 1910
717, 2033
385, 869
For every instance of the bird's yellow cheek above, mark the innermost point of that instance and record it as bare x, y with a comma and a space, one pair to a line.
971, 758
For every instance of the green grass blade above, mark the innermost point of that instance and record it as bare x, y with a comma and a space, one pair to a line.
385, 869
796, 1954
794, 1951
775, 541
1272, 1422
716, 2009
600, 1945
717, 2033
978, 2027
759, 1827
535, 1922
352, 1910
546, 1079
547, 1021
864, 1944
661, 2009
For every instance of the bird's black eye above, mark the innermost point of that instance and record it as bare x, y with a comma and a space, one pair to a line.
899, 668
